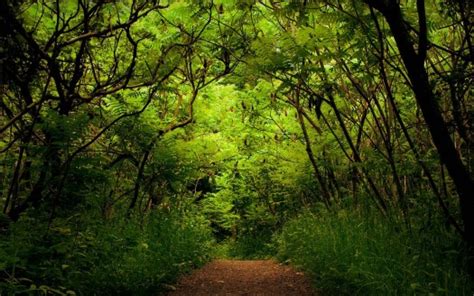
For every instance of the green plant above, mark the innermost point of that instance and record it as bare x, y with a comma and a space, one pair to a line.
119, 257
354, 253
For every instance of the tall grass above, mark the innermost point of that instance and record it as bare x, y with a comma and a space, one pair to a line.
349, 253
123, 257
249, 246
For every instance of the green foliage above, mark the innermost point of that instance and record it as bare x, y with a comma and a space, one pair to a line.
119, 257
251, 245
353, 253
135, 133
139, 259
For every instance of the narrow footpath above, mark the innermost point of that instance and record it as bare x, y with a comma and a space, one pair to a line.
244, 277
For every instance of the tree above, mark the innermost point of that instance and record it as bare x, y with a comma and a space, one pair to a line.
414, 61
62, 77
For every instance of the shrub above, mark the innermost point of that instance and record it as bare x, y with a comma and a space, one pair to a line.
122, 257
348, 253
252, 245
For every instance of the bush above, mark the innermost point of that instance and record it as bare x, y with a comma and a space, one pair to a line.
252, 245
348, 253
123, 257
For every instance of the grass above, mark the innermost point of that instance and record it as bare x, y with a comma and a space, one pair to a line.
121, 257
353, 254
249, 246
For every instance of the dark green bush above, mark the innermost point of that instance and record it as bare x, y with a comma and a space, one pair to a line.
353, 254
123, 257
255, 245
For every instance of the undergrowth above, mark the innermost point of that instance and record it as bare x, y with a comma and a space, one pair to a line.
247, 247
120, 257
347, 253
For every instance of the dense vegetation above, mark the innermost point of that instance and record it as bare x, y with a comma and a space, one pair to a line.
138, 139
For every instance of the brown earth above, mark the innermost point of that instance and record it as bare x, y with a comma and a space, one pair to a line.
243, 277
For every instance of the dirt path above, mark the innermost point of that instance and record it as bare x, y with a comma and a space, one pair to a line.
237, 277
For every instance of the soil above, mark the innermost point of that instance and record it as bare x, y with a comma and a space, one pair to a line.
244, 277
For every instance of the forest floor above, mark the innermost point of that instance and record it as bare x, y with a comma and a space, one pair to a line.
244, 277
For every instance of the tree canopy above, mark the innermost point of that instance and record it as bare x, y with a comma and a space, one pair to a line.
240, 115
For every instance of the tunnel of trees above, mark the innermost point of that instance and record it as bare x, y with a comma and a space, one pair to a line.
139, 139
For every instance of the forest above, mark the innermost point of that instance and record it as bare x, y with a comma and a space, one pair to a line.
140, 140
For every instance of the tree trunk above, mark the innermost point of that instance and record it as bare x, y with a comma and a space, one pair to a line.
414, 63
